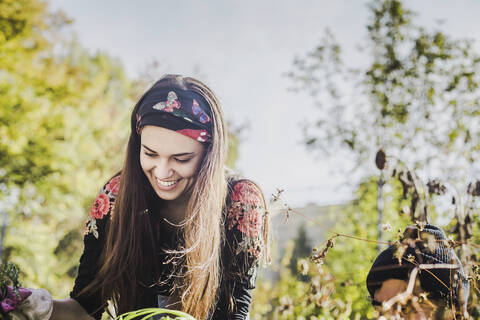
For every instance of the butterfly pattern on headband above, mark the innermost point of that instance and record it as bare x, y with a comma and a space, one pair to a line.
199, 112
169, 105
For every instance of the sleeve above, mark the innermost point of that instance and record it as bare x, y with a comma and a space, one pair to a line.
245, 223
94, 239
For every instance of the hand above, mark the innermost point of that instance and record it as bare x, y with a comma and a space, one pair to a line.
37, 306
11, 298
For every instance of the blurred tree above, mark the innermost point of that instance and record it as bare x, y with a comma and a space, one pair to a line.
64, 122
416, 94
338, 285
301, 249
63, 115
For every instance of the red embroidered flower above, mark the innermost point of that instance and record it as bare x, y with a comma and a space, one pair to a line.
100, 206
246, 192
113, 186
251, 223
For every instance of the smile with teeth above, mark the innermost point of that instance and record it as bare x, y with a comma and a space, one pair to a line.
166, 183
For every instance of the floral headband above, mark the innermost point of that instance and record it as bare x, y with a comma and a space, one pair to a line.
183, 111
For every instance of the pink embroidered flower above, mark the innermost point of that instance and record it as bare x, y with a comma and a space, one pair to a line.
250, 224
113, 186
100, 206
246, 192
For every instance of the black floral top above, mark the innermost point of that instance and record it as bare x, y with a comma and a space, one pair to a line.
244, 223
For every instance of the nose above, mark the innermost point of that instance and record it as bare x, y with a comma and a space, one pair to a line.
162, 170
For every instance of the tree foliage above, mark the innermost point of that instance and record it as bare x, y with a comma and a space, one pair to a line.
63, 114
417, 95
64, 122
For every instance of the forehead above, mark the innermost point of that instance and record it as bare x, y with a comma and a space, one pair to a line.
165, 141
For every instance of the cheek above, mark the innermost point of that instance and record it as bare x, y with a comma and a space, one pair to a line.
145, 163
189, 170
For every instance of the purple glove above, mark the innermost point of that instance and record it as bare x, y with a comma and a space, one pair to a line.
11, 299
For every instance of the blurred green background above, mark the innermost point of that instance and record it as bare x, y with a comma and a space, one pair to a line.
64, 121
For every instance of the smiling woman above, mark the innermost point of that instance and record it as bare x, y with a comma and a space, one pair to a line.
172, 229
170, 161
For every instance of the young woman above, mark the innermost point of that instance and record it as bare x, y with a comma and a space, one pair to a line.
173, 228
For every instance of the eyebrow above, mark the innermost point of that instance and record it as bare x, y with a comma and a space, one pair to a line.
174, 155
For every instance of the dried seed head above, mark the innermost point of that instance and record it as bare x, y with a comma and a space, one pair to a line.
386, 227
286, 306
423, 296
474, 189
319, 257
381, 159
429, 241
411, 258
435, 187
400, 251
276, 196
287, 213
420, 225
450, 241
394, 173
303, 267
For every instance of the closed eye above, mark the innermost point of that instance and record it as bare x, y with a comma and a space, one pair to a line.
182, 160
150, 154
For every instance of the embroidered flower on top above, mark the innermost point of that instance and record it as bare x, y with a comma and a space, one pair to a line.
246, 191
250, 224
113, 186
246, 218
245, 212
199, 112
104, 204
169, 105
100, 207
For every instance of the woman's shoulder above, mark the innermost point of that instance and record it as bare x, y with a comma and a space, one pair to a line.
246, 209
246, 224
240, 187
245, 191
103, 205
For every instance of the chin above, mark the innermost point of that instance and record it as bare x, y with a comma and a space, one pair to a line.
167, 195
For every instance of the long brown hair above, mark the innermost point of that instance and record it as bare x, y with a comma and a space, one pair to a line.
130, 248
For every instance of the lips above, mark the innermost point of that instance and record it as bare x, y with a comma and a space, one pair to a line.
166, 185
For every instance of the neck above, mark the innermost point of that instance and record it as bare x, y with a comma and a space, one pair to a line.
174, 210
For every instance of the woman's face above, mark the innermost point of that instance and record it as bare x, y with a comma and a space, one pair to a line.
170, 160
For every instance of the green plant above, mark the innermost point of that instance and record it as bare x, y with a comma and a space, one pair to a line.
150, 313
8, 277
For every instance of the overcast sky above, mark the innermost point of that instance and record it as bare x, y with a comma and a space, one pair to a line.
242, 49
